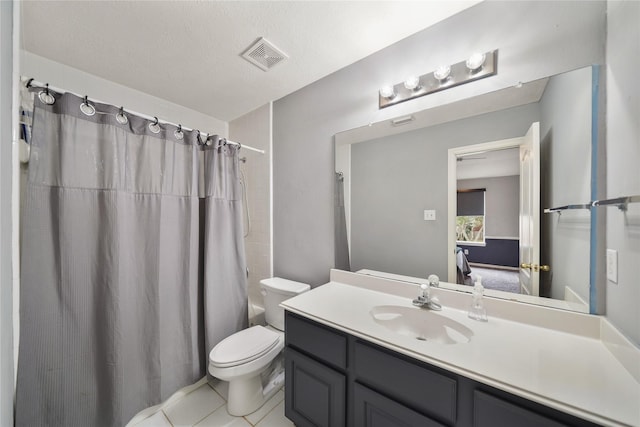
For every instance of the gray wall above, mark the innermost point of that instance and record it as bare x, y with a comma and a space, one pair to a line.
394, 179
565, 145
502, 203
536, 39
255, 129
6, 277
623, 162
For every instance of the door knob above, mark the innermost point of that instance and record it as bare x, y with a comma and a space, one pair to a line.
535, 267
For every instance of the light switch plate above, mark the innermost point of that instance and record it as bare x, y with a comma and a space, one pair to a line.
429, 215
612, 265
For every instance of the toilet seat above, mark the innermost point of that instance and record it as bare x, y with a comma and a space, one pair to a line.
243, 347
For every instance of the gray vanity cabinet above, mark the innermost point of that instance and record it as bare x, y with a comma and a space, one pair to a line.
333, 379
318, 393
315, 374
491, 411
429, 392
372, 409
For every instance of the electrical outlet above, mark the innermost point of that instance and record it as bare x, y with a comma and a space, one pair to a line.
612, 265
429, 215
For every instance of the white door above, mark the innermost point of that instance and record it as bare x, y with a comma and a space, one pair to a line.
530, 212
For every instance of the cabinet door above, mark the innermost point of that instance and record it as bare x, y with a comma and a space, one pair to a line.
374, 410
323, 343
414, 384
315, 395
490, 411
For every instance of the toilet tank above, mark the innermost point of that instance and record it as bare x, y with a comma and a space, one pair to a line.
276, 290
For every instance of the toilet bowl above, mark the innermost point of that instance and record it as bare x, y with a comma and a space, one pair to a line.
245, 357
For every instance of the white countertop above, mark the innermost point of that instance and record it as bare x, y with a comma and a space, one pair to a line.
574, 373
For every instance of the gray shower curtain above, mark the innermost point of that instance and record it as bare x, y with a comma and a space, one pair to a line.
116, 274
226, 306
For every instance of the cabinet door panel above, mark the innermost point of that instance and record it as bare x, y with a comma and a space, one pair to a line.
374, 410
411, 383
490, 411
314, 393
325, 344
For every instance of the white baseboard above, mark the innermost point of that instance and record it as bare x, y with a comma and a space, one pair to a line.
495, 267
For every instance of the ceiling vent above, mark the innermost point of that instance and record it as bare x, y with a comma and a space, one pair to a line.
264, 55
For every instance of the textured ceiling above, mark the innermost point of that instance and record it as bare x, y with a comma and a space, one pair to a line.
188, 52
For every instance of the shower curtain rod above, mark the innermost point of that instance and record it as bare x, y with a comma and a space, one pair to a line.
32, 82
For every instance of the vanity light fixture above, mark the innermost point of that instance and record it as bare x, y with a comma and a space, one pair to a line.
442, 73
412, 83
387, 92
475, 61
477, 66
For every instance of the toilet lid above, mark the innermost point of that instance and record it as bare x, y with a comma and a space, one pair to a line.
244, 346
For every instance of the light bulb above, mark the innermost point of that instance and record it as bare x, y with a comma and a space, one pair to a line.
442, 72
475, 61
412, 83
387, 92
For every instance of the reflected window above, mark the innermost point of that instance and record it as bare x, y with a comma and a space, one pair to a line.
470, 216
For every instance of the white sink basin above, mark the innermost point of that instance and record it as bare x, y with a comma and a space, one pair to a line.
421, 324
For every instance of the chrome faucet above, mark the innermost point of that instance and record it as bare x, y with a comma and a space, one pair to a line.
425, 300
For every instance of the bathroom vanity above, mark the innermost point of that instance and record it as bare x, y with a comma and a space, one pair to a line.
359, 354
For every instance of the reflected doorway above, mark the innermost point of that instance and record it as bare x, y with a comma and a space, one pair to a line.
494, 204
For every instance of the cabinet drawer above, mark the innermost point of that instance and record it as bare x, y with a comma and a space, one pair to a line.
315, 395
323, 343
372, 409
490, 411
411, 383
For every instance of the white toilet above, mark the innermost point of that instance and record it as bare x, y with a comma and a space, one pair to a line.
243, 358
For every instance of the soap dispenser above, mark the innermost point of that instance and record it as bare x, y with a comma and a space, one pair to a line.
477, 310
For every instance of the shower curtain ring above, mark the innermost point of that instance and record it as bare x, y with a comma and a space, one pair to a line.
28, 85
86, 108
45, 96
155, 126
121, 118
198, 138
178, 133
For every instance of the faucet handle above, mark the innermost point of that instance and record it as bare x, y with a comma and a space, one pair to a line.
424, 291
423, 296
433, 280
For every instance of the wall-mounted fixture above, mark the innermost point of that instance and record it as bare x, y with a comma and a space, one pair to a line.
402, 120
478, 66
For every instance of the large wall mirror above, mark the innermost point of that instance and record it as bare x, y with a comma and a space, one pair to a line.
443, 193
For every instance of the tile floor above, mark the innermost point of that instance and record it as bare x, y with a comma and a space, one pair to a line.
203, 405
